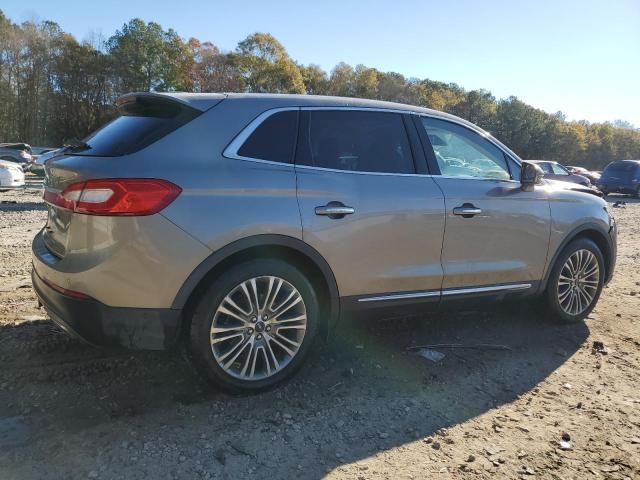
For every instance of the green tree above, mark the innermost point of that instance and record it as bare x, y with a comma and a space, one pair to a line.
266, 67
315, 80
146, 58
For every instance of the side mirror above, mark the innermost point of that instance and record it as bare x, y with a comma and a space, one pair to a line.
530, 176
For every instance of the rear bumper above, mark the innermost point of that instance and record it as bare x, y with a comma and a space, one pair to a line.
99, 324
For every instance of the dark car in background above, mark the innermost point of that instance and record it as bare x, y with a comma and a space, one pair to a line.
18, 153
554, 171
621, 176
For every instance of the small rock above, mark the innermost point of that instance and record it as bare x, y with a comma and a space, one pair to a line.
182, 458
435, 445
564, 445
220, 456
528, 470
471, 458
566, 437
383, 435
598, 348
93, 474
287, 416
635, 440
567, 386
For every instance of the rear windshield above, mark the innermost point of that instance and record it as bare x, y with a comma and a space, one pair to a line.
623, 168
141, 121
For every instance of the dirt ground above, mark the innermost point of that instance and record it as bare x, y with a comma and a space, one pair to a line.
361, 407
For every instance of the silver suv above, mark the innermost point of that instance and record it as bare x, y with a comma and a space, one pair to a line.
245, 225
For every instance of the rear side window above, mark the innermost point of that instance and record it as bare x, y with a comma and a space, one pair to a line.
274, 139
141, 121
354, 140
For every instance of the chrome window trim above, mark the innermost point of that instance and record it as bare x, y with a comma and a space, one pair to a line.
231, 151
513, 287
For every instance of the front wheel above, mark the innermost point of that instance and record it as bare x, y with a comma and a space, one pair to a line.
575, 282
254, 325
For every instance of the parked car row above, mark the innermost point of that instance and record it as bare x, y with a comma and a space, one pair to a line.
19, 153
620, 176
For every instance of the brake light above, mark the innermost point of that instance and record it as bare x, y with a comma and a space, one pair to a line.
115, 197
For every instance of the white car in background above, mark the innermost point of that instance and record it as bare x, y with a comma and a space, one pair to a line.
11, 175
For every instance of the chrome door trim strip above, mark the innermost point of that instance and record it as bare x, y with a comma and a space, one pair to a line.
494, 288
514, 287
401, 296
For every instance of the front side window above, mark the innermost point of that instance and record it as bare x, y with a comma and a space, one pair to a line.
354, 140
558, 169
274, 139
461, 152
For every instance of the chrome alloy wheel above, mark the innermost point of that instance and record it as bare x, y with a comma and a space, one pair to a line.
258, 328
578, 282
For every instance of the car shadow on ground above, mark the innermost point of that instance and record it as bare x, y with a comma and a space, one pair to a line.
360, 394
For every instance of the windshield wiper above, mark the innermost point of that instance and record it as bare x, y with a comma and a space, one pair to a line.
76, 145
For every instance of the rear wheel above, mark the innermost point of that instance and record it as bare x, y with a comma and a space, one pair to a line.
254, 325
575, 282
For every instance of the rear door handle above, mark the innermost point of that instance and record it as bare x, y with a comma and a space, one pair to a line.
467, 210
334, 210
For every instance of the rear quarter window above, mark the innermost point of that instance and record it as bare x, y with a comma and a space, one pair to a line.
274, 139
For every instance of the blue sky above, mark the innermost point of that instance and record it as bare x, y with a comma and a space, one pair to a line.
578, 56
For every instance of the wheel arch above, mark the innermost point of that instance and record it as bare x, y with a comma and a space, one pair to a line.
284, 247
593, 232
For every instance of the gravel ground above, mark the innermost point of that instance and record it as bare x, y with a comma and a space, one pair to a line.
360, 408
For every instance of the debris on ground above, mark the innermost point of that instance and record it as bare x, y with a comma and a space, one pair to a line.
429, 354
598, 348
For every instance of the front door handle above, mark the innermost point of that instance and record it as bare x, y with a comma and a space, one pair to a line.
467, 210
334, 210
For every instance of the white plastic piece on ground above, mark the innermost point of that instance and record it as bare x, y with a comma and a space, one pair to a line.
429, 354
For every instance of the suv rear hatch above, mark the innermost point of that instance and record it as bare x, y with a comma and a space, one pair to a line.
80, 182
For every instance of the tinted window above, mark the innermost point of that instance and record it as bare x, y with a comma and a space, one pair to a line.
620, 168
142, 121
274, 139
355, 140
460, 152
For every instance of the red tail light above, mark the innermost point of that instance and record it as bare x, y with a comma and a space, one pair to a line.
116, 196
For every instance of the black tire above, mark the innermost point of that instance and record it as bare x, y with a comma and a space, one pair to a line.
551, 295
199, 346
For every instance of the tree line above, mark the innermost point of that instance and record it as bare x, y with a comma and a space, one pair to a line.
54, 88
